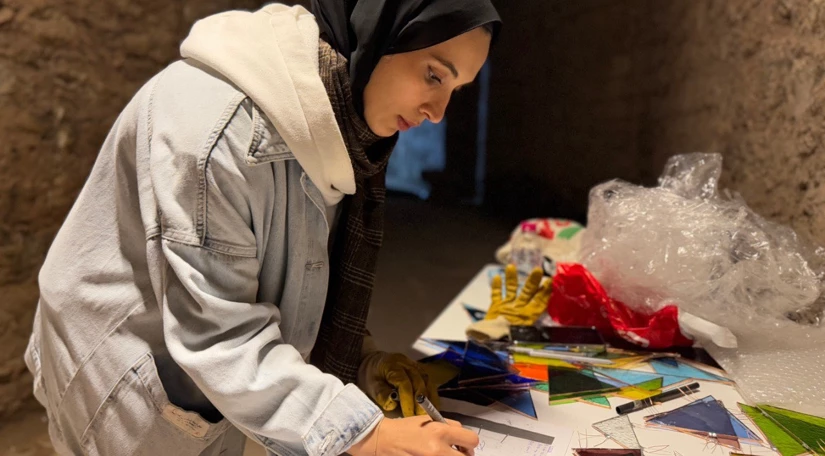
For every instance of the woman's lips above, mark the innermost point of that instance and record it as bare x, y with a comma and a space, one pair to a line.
403, 125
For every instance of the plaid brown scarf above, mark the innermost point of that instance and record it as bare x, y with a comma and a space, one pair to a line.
355, 251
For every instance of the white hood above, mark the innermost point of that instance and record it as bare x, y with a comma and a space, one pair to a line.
272, 56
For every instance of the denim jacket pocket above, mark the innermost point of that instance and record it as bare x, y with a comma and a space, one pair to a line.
137, 418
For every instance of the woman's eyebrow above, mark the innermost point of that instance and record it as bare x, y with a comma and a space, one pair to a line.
447, 64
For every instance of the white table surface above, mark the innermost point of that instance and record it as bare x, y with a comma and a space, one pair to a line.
579, 417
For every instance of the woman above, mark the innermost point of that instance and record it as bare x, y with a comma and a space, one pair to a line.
214, 275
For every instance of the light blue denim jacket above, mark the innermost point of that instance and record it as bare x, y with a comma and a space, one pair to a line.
190, 276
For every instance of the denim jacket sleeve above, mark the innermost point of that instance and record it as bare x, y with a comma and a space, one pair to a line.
214, 328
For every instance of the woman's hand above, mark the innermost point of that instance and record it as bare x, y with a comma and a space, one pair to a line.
417, 436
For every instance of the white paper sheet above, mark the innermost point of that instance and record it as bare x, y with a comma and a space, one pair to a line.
492, 444
495, 444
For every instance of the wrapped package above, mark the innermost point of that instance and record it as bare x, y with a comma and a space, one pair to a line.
534, 239
682, 243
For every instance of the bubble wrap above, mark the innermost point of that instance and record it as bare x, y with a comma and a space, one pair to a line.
683, 243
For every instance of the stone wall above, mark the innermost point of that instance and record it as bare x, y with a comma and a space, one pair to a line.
582, 91
67, 68
587, 90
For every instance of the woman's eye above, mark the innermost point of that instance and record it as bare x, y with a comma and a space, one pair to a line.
433, 77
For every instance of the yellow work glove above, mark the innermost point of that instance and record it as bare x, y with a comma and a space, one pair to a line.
382, 373
513, 308
519, 308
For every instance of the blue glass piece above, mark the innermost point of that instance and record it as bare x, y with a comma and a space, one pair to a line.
475, 314
741, 430
672, 362
705, 415
521, 402
509, 381
466, 395
519, 380
480, 354
457, 346
456, 359
683, 370
629, 377
480, 365
668, 380
610, 381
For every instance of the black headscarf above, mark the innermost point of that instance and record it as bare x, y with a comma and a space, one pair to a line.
359, 33
363, 31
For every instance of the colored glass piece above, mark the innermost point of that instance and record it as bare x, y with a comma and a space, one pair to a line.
545, 387
629, 377
475, 314
527, 359
457, 346
642, 390
781, 441
808, 429
705, 415
607, 452
480, 362
569, 383
684, 370
620, 430
521, 402
533, 371
467, 395
601, 401
672, 362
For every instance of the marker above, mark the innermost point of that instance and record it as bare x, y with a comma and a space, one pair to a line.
659, 398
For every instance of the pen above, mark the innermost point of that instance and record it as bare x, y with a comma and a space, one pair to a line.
435, 415
430, 408
663, 397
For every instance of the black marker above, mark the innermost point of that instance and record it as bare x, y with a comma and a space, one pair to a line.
659, 398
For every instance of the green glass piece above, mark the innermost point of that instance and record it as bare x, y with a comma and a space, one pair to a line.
641, 390
568, 383
650, 385
784, 443
598, 400
541, 387
808, 429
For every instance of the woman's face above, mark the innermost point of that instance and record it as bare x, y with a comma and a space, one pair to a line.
405, 89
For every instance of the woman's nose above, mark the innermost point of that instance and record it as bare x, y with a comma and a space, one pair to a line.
434, 109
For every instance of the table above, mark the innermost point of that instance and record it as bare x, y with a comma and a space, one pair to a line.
579, 417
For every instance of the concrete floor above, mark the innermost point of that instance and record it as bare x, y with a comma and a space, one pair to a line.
430, 252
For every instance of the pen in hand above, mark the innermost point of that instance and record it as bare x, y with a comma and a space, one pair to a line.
430, 408
434, 414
